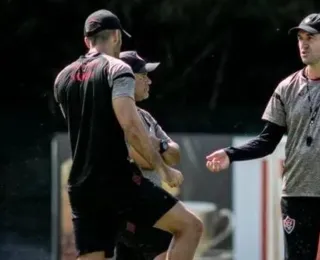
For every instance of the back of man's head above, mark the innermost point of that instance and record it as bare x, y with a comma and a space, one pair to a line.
102, 28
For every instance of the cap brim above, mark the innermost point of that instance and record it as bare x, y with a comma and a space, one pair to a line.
305, 28
149, 67
126, 33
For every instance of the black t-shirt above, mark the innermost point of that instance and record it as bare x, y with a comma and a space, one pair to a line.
84, 91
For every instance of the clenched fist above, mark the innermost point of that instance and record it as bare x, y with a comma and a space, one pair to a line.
171, 176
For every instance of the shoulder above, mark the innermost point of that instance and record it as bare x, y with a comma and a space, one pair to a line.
65, 71
117, 67
291, 81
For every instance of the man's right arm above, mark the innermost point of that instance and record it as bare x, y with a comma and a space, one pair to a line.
266, 142
56, 93
126, 112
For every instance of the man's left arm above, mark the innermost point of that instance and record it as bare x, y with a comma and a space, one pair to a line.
169, 149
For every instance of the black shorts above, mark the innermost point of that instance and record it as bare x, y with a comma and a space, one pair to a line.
99, 215
301, 225
143, 244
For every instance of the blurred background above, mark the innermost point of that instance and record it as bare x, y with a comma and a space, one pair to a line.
220, 62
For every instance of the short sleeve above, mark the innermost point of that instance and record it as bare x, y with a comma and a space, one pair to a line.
121, 79
275, 110
123, 87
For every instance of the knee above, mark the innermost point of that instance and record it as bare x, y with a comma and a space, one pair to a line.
189, 223
179, 220
193, 223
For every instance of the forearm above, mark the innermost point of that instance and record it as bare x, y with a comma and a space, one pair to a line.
138, 159
138, 138
263, 145
172, 155
255, 149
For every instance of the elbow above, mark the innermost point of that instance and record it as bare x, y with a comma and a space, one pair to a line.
270, 149
268, 143
129, 130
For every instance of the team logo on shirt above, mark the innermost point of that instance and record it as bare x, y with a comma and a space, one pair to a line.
136, 179
289, 224
131, 227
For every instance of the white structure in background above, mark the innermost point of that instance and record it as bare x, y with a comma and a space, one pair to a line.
256, 203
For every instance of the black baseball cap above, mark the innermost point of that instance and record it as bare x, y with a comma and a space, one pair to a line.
310, 24
102, 20
138, 64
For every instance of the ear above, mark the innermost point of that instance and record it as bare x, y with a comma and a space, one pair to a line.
117, 36
87, 42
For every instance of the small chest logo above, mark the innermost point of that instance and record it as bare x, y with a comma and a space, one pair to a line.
136, 179
289, 224
131, 227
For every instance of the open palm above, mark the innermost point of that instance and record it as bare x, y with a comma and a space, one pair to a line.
218, 161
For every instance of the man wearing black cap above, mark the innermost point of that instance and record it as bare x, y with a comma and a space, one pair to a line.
166, 146
293, 108
107, 192
128, 246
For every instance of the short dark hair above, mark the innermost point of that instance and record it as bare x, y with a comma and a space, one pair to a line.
100, 37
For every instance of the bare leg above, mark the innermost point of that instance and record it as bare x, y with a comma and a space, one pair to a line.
186, 229
162, 256
92, 256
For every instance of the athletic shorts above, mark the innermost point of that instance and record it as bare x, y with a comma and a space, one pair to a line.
99, 215
301, 225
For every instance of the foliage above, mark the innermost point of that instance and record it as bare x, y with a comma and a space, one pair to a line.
213, 53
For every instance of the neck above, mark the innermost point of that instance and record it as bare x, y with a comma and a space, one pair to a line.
313, 71
104, 49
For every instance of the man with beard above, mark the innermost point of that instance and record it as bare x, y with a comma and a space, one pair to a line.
293, 107
129, 246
